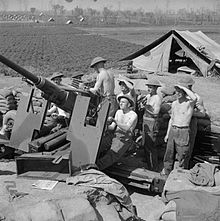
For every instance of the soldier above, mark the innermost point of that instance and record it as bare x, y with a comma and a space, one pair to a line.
57, 78
58, 117
54, 110
177, 136
130, 67
8, 109
127, 87
105, 83
123, 125
199, 111
151, 104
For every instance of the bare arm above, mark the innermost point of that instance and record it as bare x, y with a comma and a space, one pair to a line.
190, 93
98, 84
199, 110
112, 126
155, 109
111, 123
52, 110
170, 123
126, 126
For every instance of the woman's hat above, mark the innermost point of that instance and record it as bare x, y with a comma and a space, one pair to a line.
97, 60
128, 97
153, 82
56, 75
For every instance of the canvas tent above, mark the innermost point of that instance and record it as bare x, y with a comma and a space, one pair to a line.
69, 22
175, 49
51, 20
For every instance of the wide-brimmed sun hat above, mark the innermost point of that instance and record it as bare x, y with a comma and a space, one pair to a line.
56, 75
128, 97
186, 81
153, 82
97, 60
129, 84
180, 87
167, 90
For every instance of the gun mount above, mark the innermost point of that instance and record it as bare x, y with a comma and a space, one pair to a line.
64, 99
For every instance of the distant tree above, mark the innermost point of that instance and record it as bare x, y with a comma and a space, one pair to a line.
62, 10
55, 8
78, 11
32, 10
158, 15
139, 14
91, 12
128, 15
107, 13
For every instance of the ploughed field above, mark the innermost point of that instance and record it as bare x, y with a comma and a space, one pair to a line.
45, 48
144, 35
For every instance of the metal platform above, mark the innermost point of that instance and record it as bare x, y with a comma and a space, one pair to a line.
43, 166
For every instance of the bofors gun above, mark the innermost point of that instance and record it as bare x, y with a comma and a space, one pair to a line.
84, 139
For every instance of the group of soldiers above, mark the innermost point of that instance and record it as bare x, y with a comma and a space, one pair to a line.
123, 119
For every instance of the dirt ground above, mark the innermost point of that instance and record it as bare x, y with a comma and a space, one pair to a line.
145, 202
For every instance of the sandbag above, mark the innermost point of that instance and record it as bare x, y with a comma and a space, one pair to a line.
7, 101
107, 212
43, 211
169, 216
77, 209
69, 209
3, 110
3, 105
169, 213
6, 92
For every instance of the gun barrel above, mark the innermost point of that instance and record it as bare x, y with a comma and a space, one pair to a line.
20, 70
51, 91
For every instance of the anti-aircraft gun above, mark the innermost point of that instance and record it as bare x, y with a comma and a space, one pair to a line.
82, 138
51, 91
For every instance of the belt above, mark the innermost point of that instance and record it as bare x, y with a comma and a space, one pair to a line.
179, 127
150, 116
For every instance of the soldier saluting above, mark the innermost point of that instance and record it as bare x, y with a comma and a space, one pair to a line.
177, 136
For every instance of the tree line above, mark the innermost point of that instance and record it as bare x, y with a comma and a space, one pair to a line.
157, 17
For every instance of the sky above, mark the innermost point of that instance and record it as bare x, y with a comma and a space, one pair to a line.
146, 5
